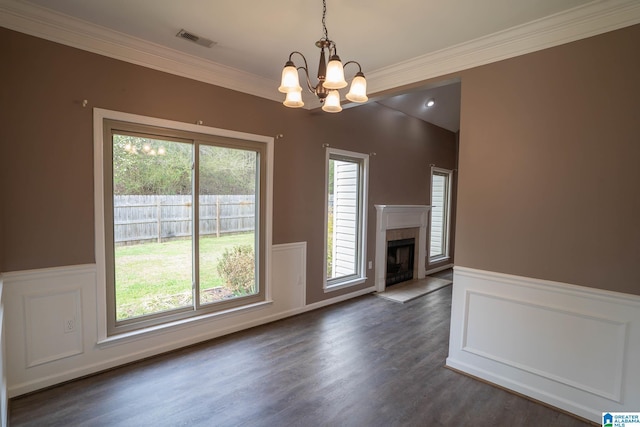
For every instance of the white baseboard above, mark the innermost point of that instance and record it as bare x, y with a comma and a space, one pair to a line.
338, 299
565, 345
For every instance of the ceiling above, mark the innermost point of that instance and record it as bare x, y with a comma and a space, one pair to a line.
398, 43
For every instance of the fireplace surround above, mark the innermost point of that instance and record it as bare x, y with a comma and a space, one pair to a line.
400, 222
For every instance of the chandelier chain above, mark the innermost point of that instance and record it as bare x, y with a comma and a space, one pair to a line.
324, 24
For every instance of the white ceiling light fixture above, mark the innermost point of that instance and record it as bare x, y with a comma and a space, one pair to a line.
430, 102
330, 77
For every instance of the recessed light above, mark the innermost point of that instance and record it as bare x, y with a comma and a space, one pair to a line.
430, 102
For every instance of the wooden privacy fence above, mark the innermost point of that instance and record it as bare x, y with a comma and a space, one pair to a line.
140, 219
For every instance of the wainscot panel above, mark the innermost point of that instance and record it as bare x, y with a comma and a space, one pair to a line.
569, 346
53, 318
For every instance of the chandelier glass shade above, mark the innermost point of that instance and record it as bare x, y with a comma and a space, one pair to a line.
294, 99
330, 77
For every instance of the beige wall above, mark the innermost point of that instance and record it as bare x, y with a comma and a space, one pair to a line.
549, 183
46, 158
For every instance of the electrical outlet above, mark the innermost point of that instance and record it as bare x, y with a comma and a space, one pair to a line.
370, 265
69, 325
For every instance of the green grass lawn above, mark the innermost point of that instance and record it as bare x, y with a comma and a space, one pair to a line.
153, 277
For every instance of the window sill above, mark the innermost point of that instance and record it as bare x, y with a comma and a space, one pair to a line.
140, 334
438, 259
345, 284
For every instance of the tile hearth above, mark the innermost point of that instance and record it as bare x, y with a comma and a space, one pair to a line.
408, 291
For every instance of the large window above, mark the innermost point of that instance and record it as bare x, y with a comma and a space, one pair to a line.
345, 224
184, 224
440, 214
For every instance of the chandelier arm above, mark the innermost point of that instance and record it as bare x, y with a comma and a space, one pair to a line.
303, 58
306, 74
333, 49
311, 88
353, 62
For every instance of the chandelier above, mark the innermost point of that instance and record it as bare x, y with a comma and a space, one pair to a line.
330, 77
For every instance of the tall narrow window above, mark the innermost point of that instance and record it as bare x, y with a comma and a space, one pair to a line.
184, 223
345, 218
440, 214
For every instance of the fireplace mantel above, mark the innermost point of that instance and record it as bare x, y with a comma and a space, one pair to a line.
390, 217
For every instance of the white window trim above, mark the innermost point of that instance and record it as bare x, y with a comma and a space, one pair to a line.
360, 277
99, 115
446, 253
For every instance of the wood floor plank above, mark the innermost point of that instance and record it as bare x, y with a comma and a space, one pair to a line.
363, 362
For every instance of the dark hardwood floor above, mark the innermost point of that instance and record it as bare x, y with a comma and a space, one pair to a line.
363, 362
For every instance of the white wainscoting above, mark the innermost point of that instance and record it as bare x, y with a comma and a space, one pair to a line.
572, 347
41, 350
4, 403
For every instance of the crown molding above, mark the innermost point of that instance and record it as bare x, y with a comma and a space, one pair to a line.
574, 24
594, 18
64, 29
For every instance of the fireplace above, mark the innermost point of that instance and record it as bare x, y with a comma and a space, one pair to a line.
400, 260
400, 222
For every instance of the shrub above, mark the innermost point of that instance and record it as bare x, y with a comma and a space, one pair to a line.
237, 268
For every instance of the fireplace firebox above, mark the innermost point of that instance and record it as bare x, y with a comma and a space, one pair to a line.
400, 256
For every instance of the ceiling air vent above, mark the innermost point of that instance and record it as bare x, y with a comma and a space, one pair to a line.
184, 34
